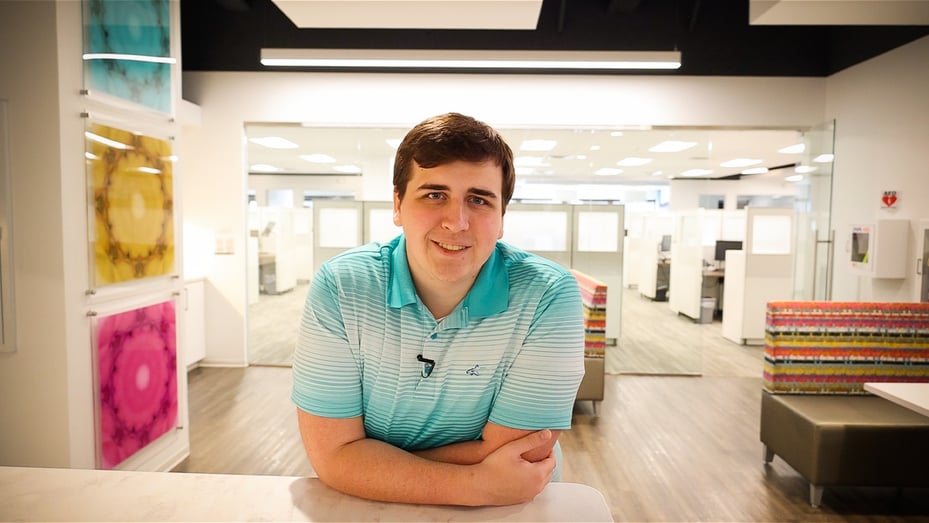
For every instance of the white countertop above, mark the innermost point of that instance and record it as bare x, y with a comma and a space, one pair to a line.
914, 396
44, 494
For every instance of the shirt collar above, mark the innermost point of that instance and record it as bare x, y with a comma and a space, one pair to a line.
488, 296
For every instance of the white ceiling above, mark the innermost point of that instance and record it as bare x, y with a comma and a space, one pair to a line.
839, 12
411, 14
573, 159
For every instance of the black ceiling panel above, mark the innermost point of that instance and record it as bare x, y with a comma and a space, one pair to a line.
714, 36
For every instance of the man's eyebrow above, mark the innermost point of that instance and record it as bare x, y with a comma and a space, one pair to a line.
473, 190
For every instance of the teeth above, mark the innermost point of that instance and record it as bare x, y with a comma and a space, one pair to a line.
450, 247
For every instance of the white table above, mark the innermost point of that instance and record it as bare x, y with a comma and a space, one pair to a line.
45, 494
914, 396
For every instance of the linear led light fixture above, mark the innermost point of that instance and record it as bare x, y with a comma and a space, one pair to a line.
470, 59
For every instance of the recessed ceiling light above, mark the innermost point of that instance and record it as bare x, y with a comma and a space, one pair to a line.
317, 158
348, 169
616, 133
580, 157
608, 171
263, 168
796, 148
274, 142
794, 178
633, 161
690, 173
824, 158
740, 162
755, 170
537, 145
594, 147
672, 146
657, 173
804, 169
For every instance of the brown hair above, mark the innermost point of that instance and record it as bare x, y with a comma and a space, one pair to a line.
451, 137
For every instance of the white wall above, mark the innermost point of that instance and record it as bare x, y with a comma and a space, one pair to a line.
229, 100
685, 194
35, 413
882, 128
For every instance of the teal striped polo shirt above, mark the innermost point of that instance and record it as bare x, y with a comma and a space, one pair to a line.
511, 352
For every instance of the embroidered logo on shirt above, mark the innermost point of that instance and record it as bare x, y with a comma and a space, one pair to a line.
475, 370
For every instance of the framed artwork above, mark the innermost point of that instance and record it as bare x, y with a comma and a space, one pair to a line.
136, 379
127, 51
132, 199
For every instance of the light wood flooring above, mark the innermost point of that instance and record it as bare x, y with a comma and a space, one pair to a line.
661, 448
273, 323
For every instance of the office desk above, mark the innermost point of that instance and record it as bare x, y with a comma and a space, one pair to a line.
914, 396
39, 494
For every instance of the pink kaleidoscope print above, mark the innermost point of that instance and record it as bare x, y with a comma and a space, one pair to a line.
137, 366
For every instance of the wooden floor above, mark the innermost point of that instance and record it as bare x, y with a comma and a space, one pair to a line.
662, 448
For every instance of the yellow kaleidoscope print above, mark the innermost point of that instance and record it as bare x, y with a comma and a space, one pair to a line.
133, 199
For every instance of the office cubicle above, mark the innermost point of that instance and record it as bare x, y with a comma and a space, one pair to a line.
543, 229
761, 272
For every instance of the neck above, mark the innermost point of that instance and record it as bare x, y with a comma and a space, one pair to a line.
441, 297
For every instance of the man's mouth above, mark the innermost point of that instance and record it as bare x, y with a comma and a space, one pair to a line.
450, 247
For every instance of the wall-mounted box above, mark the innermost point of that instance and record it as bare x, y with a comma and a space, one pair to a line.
879, 250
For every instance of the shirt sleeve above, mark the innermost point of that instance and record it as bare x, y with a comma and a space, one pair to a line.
326, 372
540, 387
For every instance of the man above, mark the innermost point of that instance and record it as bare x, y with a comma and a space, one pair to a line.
439, 368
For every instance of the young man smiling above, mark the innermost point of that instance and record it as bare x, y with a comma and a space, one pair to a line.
440, 368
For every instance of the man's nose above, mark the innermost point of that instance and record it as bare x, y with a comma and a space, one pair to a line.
455, 217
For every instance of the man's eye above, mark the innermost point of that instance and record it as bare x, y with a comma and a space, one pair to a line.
433, 196
478, 200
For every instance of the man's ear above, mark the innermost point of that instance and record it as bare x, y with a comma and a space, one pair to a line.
397, 220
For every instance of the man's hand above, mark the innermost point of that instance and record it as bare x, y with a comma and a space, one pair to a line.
506, 477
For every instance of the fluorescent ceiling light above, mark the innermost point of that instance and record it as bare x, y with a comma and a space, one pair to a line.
671, 146
470, 59
794, 178
616, 133
608, 171
537, 145
804, 169
796, 148
824, 158
740, 162
633, 161
348, 169
690, 173
263, 168
317, 158
274, 142
755, 170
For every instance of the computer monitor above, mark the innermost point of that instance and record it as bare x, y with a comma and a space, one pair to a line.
723, 245
666, 243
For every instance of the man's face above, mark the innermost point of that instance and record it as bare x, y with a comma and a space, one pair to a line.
452, 216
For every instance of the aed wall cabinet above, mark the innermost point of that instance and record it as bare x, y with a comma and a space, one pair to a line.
879, 250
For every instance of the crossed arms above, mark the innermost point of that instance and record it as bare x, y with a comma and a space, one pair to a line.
506, 466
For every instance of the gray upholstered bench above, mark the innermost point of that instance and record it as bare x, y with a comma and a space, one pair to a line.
815, 413
846, 440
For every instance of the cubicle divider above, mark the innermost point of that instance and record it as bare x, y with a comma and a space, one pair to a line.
695, 271
761, 272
